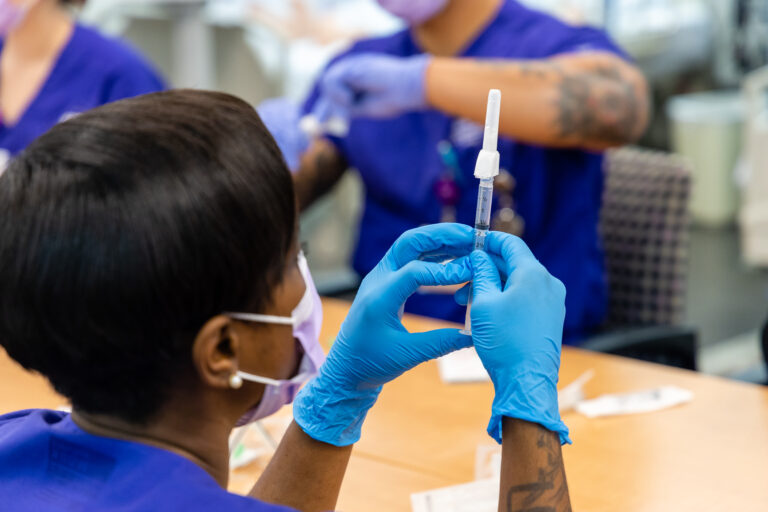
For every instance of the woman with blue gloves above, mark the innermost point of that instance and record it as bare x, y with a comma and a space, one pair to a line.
150, 271
415, 104
52, 68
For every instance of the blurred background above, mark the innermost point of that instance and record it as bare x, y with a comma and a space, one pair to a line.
705, 60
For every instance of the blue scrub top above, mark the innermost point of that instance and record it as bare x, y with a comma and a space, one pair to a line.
558, 191
91, 70
47, 463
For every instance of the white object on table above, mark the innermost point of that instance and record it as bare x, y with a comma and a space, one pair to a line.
462, 366
480, 496
631, 403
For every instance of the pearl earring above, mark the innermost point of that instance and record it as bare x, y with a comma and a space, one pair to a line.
235, 381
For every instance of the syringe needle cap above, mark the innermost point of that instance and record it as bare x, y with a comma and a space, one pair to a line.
487, 165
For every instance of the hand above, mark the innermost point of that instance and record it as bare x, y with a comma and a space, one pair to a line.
373, 347
517, 331
281, 117
372, 85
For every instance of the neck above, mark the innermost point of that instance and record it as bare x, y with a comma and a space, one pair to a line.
180, 428
44, 31
451, 30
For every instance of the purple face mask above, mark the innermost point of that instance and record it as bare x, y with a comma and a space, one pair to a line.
413, 12
11, 15
306, 319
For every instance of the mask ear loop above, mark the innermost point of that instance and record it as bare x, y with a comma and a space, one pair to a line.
269, 319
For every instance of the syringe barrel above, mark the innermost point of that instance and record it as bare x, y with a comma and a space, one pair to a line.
484, 199
483, 213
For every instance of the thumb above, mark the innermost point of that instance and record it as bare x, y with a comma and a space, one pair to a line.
434, 344
486, 276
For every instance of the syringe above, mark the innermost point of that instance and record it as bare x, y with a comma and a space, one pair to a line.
486, 168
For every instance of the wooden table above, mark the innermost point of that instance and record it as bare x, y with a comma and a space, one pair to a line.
708, 455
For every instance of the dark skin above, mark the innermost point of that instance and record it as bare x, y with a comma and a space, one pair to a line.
589, 100
532, 471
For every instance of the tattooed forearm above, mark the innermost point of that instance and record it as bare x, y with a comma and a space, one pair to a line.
532, 451
321, 168
600, 105
597, 98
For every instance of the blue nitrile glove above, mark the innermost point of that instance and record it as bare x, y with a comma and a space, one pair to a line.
517, 330
372, 85
281, 117
373, 347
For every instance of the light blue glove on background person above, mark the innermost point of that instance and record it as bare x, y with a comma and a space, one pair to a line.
517, 328
281, 117
372, 85
373, 347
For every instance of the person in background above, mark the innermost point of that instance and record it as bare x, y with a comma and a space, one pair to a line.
150, 269
52, 68
415, 104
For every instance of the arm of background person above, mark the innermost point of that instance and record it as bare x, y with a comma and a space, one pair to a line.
304, 474
593, 100
532, 471
320, 168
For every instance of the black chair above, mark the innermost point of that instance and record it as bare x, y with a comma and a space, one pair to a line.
644, 224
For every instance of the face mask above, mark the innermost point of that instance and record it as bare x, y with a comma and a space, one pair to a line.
413, 12
11, 16
306, 319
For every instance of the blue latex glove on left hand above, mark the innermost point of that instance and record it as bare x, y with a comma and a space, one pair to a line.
281, 117
517, 329
372, 85
373, 347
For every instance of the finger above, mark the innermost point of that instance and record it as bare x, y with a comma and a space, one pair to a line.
511, 249
462, 295
444, 238
323, 110
422, 273
433, 344
336, 85
501, 266
371, 105
485, 278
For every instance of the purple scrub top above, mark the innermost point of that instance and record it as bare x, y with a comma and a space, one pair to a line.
91, 70
47, 464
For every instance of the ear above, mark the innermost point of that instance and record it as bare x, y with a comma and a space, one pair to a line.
215, 352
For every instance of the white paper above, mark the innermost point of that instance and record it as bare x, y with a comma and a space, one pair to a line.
488, 462
480, 496
573, 393
462, 366
636, 402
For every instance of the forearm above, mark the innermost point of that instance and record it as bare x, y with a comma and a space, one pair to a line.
304, 474
320, 169
532, 471
590, 100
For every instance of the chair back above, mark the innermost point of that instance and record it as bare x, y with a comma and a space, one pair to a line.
644, 224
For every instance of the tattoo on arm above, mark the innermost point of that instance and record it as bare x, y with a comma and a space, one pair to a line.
599, 100
601, 105
550, 492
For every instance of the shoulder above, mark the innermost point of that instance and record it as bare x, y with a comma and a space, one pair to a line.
113, 57
399, 43
544, 35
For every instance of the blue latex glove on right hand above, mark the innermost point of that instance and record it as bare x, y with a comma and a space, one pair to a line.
372, 85
281, 117
517, 330
373, 347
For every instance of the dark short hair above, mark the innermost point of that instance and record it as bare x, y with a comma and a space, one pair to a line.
126, 228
